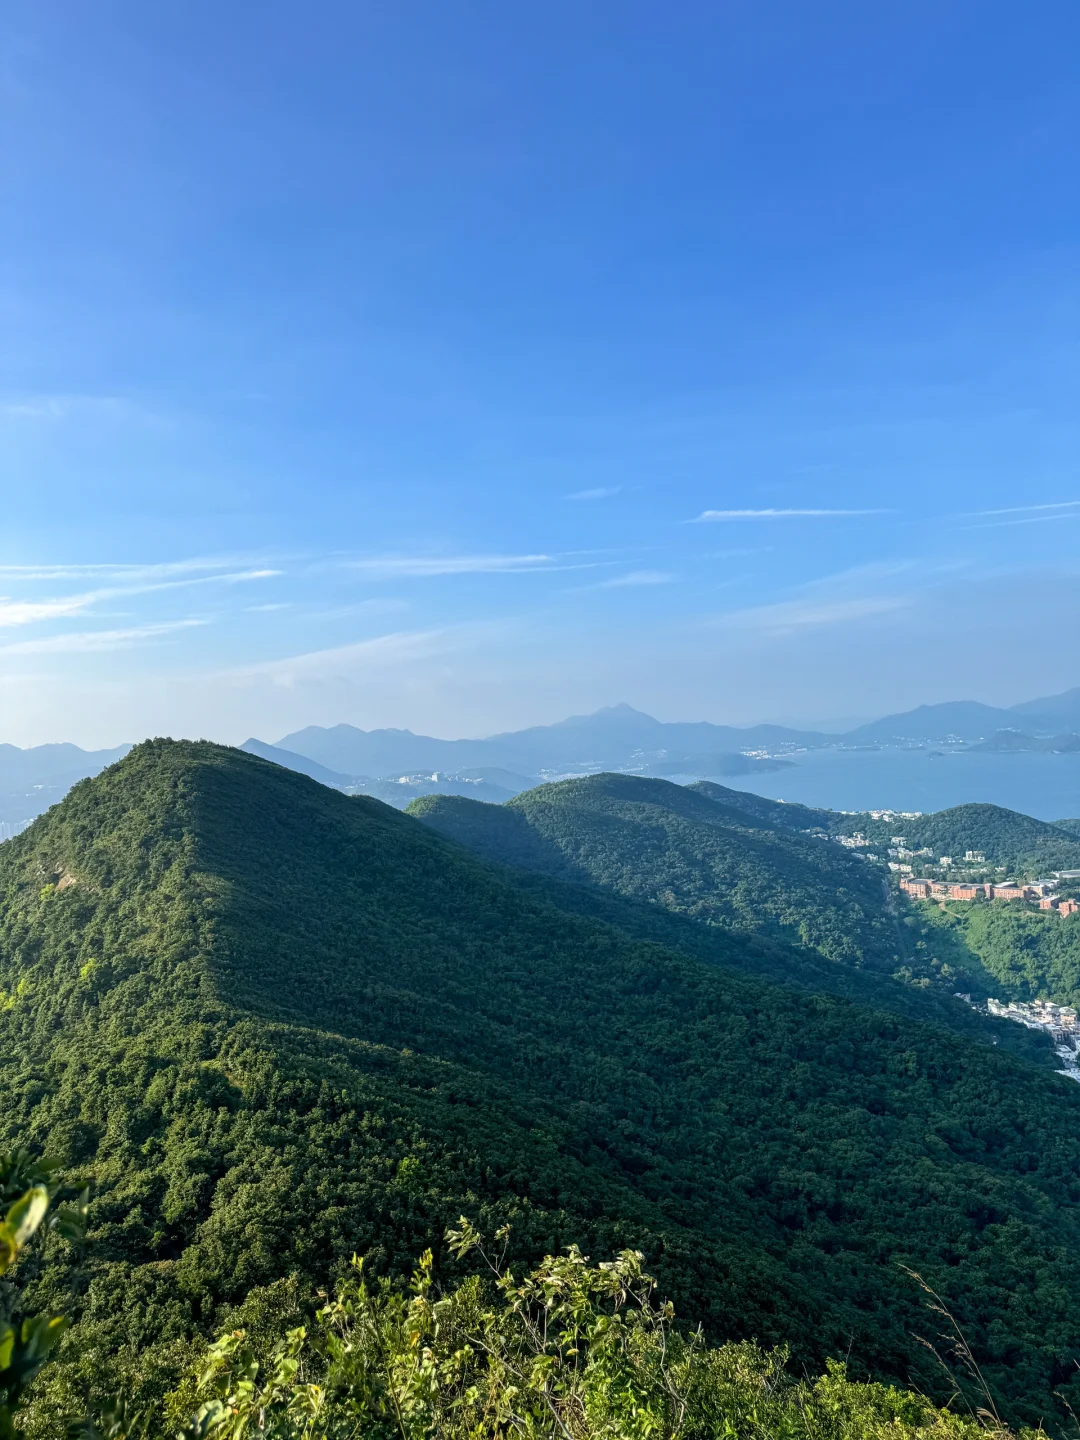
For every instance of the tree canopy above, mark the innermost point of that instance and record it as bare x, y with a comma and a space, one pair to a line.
272, 1025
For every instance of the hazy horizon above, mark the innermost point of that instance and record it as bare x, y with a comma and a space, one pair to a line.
835, 725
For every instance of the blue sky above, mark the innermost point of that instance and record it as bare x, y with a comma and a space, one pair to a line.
462, 365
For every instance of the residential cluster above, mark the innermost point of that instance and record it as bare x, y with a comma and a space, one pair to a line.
1060, 1020
1041, 891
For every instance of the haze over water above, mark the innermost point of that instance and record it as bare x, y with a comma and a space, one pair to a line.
1046, 786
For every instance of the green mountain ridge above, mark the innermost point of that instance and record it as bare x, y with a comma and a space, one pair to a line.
666, 874
723, 859
1006, 837
273, 1024
786, 814
692, 851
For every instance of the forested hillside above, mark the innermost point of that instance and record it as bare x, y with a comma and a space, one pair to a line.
693, 852
786, 814
493, 830
1006, 837
1032, 954
272, 1025
1020, 842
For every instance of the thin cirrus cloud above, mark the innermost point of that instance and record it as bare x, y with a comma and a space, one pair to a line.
598, 492
379, 605
712, 515
636, 578
96, 641
1027, 509
65, 407
393, 567
1025, 515
400, 647
788, 616
130, 573
30, 612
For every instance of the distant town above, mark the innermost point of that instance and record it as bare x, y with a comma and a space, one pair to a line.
970, 884
1059, 1021
1040, 891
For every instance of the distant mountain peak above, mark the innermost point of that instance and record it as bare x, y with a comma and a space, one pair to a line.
622, 708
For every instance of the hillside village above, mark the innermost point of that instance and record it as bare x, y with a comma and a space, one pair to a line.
982, 867
1060, 1021
1040, 891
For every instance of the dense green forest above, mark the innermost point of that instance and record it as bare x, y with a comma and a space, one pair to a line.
765, 957
271, 1025
1006, 837
729, 862
1020, 843
568, 1350
677, 846
1033, 954
786, 814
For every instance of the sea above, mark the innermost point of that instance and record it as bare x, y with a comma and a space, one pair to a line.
895, 778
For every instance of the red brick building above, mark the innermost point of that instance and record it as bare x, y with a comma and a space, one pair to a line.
965, 892
917, 889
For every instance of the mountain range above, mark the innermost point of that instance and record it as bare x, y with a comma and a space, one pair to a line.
620, 737
617, 733
397, 765
969, 720
704, 861
272, 1024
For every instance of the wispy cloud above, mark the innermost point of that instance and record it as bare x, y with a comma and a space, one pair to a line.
1024, 515
29, 612
422, 566
399, 647
790, 616
709, 515
599, 492
871, 573
377, 605
1027, 509
133, 573
63, 407
635, 578
89, 641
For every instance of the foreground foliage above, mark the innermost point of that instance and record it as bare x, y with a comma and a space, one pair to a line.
566, 1351
32, 1203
